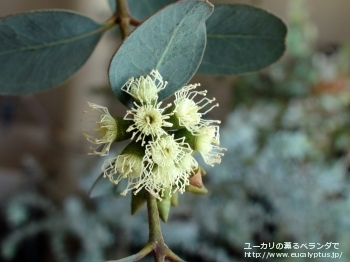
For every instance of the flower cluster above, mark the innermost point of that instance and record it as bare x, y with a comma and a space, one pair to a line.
159, 158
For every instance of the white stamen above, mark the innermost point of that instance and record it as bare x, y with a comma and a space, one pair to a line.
207, 145
106, 131
187, 110
145, 89
148, 121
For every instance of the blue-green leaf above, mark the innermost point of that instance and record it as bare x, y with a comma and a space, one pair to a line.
40, 50
141, 9
242, 39
172, 41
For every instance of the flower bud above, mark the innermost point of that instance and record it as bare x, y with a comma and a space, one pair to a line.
196, 179
137, 201
164, 206
174, 199
196, 190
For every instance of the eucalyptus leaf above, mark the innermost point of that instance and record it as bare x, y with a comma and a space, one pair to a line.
41, 49
172, 41
242, 39
141, 9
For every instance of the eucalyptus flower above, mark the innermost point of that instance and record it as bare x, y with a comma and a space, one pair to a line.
145, 90
105, 132
187, 110
108, 130
128, 165
188, 164
207, 144
170, 164
158, 179
148, 120
168, 178
166, 149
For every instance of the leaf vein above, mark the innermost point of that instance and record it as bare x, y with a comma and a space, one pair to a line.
172, 38
55, 43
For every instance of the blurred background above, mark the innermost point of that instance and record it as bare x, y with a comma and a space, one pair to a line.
284, 178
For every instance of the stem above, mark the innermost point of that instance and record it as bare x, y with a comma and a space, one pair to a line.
155, 243
110, 23
173, 257
136, 257
134, 21
123, 16
160, 249
155, 232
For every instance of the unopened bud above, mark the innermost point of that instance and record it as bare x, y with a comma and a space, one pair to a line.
164, 206
196, 190
196, 179
137, 201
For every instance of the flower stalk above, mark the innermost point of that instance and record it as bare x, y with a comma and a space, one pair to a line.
156, 243
156, 240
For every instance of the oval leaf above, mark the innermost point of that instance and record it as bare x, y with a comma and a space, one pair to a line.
40, 50
242, 39
141, 9
172, 41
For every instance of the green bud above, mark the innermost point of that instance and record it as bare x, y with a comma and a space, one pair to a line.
189, 138
137, 201
174, 199
196, 190
164, 205
173, 119
196, 179
202, 171
122, 126
134, 148
164, 208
